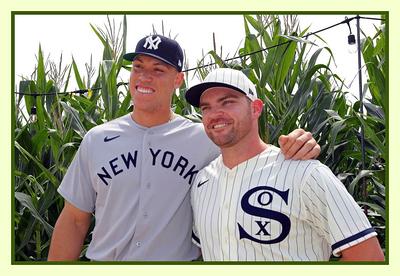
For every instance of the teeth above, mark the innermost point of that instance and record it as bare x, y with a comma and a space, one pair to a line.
220, 125
144, 90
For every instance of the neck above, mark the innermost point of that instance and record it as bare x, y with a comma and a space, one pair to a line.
151, 119
234, 155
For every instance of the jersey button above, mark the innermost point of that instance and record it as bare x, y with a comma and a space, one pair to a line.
148, 185
138, 244
145, 215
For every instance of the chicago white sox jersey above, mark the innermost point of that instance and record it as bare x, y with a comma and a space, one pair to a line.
271, 209
137, 182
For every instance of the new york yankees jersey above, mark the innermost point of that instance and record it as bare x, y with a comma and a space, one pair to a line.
271, 209
137, 182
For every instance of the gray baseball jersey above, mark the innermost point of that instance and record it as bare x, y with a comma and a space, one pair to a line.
137, 182
271, 209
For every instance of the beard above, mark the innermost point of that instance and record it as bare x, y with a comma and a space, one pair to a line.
225, 140
230, 137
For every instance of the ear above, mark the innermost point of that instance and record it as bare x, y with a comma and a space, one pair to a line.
257, 107
178, 80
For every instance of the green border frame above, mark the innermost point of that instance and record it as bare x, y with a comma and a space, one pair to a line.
386, 69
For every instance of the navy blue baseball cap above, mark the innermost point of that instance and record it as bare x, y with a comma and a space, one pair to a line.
159, 47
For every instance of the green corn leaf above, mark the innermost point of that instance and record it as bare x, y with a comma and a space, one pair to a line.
76, 122
29, 156
26, 201
285, 64
360, 175
381, 211
41, 74
78, 78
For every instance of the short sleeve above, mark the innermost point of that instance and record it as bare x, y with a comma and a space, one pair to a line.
76, 186
333, 212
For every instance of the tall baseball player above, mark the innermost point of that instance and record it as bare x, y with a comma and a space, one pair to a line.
250, 204
134, 173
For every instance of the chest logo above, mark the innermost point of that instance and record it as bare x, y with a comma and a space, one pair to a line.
202, 183
266, 215
108, 139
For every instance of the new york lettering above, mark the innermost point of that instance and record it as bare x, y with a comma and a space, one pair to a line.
115, 166
168, 160
165, 159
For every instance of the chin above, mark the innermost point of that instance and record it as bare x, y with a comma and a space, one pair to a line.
222, 142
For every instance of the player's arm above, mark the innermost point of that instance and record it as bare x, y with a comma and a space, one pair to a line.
368, 250
69, 234
299, 145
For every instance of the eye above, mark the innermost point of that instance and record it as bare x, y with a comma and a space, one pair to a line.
159, 69
136, 67
228, 102
204, 108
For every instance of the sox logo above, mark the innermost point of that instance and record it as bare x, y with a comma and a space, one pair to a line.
265, 213
152, 44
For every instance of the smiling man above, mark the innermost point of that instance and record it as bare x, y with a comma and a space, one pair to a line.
134, 173
250, 204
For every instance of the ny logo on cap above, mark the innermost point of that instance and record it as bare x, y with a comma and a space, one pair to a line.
152, 44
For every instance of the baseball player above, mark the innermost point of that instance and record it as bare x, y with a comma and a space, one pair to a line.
250, 204
134, 173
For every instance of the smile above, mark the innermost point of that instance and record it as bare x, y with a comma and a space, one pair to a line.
217, 126
144, 90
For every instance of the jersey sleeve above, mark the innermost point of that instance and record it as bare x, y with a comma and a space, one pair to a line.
333, 211
76, 186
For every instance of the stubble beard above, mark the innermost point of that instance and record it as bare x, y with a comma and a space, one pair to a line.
234, 135
225, 140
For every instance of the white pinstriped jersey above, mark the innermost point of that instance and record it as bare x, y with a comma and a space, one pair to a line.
271, 209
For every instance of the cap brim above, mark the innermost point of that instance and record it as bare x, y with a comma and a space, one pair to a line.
194, 93
132, 56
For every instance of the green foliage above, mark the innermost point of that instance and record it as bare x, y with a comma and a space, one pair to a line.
298, 91
45, 148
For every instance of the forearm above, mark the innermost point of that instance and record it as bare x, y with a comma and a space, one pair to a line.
67, 239
368, 250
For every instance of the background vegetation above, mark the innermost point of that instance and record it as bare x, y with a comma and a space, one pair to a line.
297, 89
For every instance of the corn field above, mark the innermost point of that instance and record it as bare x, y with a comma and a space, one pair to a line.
298, 91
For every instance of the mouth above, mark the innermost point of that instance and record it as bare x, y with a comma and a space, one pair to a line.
219, 125
144, 90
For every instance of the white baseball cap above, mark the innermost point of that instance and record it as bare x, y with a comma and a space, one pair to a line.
222, 77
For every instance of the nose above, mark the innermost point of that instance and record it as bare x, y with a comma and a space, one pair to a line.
144, 76
212, 113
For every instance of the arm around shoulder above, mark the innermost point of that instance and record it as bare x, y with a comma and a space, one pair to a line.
299, 145
368, 250
69, 234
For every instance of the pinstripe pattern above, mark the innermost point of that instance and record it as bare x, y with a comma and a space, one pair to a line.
239, 213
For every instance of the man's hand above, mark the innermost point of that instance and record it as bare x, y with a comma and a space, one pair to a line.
299, 145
